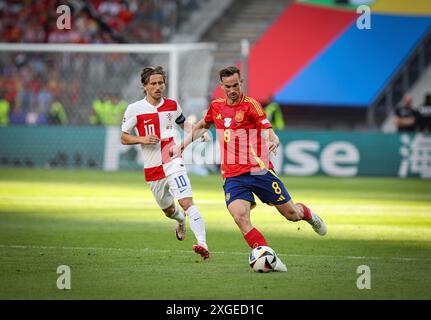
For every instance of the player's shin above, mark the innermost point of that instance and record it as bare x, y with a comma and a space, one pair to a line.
197, 225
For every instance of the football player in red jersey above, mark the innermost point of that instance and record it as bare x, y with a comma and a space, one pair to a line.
246, 140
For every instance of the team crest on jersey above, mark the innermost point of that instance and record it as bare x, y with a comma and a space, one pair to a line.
239, 116
169, 125
227, 122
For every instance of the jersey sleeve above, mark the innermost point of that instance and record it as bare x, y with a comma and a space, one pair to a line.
129, 121
259, 116
179, 116
209, 116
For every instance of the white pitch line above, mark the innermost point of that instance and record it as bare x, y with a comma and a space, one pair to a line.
213, 252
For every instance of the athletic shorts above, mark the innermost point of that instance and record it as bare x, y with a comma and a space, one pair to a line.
267, 187
175, 186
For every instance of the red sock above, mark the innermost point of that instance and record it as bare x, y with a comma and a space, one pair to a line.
307, 213
255, 239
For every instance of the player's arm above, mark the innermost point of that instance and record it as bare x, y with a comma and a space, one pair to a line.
195, 133
274, 141
129, 123
263, 123
127, 138
188, 127
407, 121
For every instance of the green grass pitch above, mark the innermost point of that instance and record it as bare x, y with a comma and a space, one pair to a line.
119, 245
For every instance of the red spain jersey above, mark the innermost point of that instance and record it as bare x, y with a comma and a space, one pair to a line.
239, 130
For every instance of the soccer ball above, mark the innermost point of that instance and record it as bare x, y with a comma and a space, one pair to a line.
262, 259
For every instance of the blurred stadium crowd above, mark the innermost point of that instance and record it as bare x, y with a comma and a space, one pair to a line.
410, 118
139, 21
33, 88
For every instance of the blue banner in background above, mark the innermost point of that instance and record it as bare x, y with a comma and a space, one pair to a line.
355, 69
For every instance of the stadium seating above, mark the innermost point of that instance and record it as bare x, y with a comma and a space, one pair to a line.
76, 79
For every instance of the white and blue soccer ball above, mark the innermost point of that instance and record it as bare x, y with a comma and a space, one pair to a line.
262, 259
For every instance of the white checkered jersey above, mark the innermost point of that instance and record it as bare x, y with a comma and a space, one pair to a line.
160, 120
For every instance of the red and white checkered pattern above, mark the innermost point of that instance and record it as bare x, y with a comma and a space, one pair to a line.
159, 120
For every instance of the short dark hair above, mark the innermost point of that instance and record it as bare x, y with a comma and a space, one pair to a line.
147, 72
229, 71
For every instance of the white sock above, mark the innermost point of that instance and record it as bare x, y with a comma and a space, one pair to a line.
178, 215
197, 225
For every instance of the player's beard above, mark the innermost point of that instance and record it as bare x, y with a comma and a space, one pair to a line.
233, 97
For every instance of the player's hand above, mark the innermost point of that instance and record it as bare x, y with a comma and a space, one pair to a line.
150, 139
206, 137
273, 145
176, 151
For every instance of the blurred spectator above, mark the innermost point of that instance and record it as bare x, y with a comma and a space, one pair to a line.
107, 112
57, 114
406, 116
274, 114
96, 118
44, 100
17, 116
24, 99
4, 112
118, 108
424, 112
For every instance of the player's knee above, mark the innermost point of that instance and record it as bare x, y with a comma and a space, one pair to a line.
186, 203
169, 211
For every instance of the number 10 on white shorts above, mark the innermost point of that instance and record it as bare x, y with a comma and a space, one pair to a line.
175, 186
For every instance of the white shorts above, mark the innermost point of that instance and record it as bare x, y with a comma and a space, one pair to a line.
175, 186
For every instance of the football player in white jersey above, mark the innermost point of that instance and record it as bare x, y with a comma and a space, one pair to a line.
152, 119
